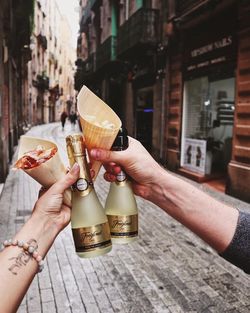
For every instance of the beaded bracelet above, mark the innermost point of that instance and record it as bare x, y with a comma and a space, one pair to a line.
28, 249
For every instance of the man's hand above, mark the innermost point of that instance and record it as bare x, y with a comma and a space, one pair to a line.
135, 161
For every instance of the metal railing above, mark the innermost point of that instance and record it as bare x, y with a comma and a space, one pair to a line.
106, 52
41, 82
92, 3
86, 11
140, 28
182, 6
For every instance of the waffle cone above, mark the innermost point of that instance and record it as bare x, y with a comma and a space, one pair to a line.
96, 136
48, 172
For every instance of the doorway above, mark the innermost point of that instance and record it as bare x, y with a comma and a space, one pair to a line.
144, 116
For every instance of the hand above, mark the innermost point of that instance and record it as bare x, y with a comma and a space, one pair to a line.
135, 161
50, 205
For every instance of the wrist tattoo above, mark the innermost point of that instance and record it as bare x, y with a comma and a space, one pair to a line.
22, 258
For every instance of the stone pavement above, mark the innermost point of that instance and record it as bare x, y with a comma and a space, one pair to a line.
167, 270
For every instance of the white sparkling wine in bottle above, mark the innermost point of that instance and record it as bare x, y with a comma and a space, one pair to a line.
121, 207
89, 222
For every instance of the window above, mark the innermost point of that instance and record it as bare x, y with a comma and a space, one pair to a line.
208, 115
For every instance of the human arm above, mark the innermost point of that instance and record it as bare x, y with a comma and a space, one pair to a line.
212, 220
18, 268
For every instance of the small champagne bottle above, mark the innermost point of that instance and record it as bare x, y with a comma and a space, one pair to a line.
89, 222
121, 207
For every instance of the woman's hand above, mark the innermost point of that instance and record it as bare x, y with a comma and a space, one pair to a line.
50, 205
136, 162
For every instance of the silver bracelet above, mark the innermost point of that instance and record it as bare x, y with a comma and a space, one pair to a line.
28, 248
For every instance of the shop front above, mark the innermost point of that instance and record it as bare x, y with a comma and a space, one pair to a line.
144, 116
208, 101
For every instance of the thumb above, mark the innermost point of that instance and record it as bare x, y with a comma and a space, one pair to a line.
106, 156
65, 182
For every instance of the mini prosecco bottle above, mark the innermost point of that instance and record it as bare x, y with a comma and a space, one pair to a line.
121, 207
89, 222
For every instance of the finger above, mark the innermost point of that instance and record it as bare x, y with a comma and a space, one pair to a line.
61, 185
107, 156
109, 164
92, 173
112, 168
109, 177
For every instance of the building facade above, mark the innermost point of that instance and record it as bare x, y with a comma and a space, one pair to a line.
66, 71
36, 70
120, 50
207, 131
51, 76
15, 28
177, 73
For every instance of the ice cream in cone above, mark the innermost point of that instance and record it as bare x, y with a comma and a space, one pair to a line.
99, 122
40, 159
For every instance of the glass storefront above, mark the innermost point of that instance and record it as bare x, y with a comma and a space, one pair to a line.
208, 115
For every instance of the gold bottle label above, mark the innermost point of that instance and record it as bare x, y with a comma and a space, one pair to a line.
123, 226
92, 238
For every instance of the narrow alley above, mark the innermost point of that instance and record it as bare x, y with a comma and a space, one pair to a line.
167, 270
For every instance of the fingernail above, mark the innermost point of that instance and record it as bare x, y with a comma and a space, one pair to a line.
75, 168
116, 170
95, 153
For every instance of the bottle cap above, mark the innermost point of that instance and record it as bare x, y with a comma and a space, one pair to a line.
121, 140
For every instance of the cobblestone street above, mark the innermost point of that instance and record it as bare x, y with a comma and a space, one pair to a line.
167, 270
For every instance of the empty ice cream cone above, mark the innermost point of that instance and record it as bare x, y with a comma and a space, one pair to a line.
99, 122
49, 170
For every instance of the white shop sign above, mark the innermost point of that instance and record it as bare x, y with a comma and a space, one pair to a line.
194, 155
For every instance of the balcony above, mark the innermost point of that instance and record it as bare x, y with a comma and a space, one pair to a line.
141, 29
182, 6
42, 40
85, 71
86, 12
94, 3
41, 82
106, 52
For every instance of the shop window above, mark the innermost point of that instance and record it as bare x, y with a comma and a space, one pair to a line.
208, 116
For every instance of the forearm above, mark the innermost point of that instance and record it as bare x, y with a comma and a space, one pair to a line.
213, 221
18, 268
